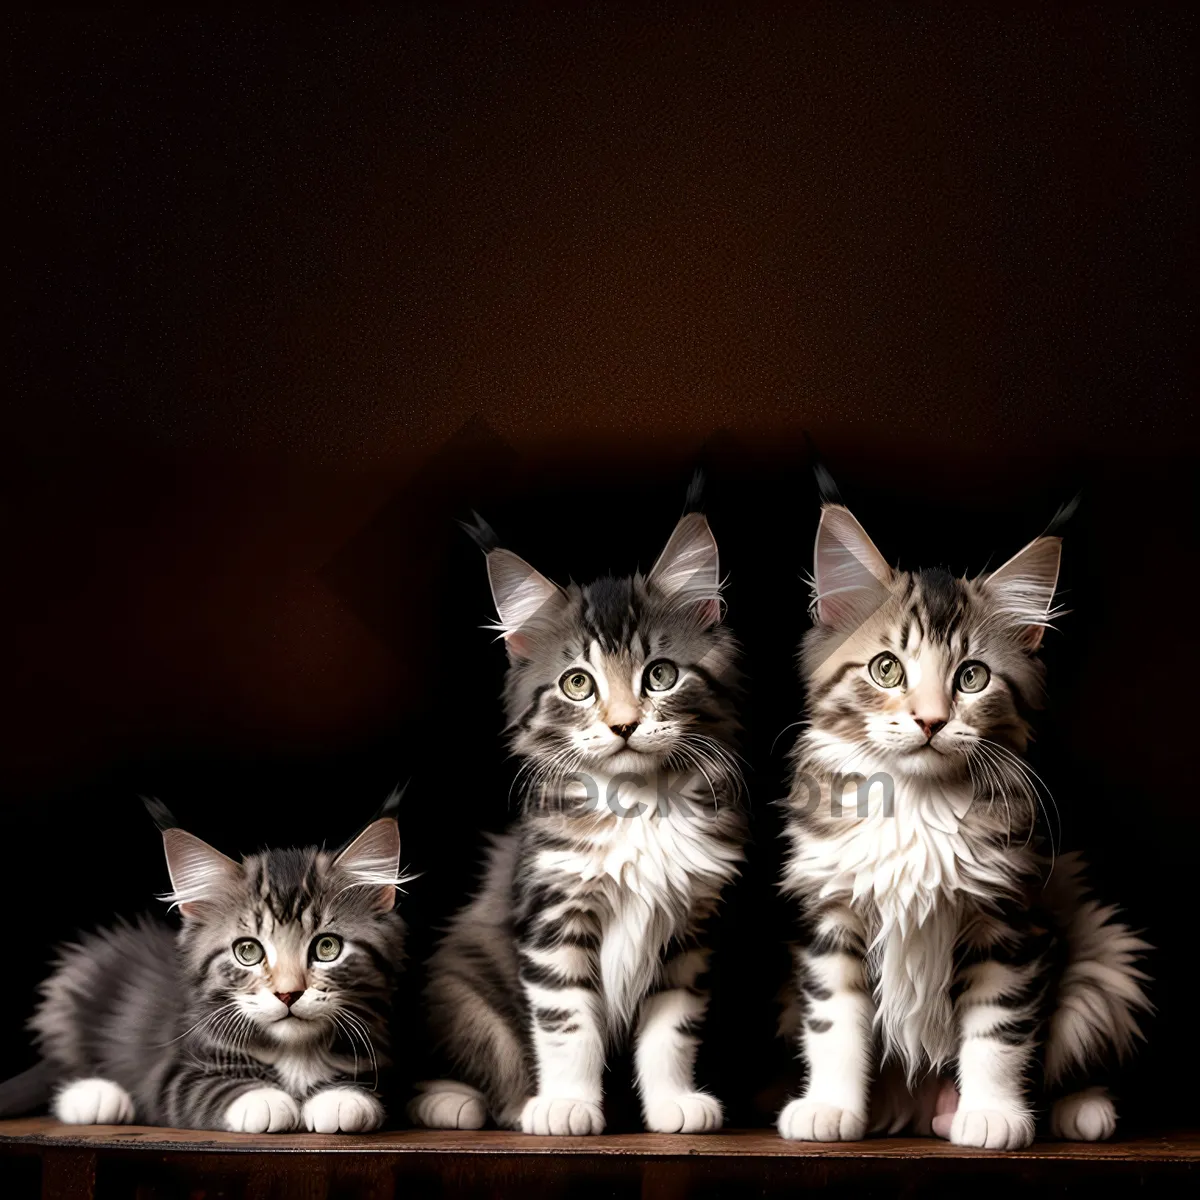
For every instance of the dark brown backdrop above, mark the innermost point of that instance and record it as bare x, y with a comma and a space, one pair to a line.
293, 295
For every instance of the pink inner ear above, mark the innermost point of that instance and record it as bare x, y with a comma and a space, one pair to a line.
709, 612
518, 645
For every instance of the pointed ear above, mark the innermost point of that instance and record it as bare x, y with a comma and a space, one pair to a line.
1023, 588
198, 872
523, 598
689, 571
372, 861
850, 576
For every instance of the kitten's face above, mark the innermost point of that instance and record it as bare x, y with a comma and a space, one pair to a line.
923, 674
289, 945
930, 681
622, 675
622, 683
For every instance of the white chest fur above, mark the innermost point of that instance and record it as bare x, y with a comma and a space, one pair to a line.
909, 876
650, 868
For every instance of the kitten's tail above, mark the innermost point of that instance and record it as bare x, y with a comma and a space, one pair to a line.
1101, 993
28, 1091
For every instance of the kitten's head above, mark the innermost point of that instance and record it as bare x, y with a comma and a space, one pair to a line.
624, 674
288, 945
919, 673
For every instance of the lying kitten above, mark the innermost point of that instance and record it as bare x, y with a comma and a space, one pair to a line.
266, 1011
933, 937
620, 700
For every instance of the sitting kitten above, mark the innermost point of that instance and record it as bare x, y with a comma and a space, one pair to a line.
268, 1010
933, 935
620, 699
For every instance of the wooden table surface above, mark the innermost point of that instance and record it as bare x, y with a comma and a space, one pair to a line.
754, 1143
39, 1155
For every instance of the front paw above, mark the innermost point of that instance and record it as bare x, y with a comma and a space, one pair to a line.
992, 1128
342, 1110
93, 1102
813, 1121
687, 1112
262, 1110
560, 1116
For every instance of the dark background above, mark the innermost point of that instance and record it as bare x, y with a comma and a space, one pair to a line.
292, 295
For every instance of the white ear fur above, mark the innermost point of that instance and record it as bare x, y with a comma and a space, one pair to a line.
1023, 588
520, 593
197, 871
373, 860
688, 570
850, 576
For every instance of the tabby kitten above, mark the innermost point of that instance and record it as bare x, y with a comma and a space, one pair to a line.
620, 699
268, 1010
936, 934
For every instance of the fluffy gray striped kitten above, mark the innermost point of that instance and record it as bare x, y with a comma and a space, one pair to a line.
267, 1011
937, 937
588, 927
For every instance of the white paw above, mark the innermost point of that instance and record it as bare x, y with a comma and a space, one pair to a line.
94, 1102
262, 1110
813, 1121
1087, 1116
342, 1110
559, 1116
991, 1128
687, 1112
448, 1105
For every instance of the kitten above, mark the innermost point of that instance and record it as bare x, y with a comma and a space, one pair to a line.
267, 1011
621, 702
933, 936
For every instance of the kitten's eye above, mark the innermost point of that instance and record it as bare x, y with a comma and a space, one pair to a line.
327, 947
248, 952
972, 677
886, 670
577, 685
660, 675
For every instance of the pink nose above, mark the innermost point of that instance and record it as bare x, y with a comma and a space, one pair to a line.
289, 998
929, 726
624, 730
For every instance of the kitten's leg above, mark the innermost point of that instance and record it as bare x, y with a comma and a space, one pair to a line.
997, 1026
93, 1102
665, 1055
837, 1033
342, 1109
558, 952
242, 1101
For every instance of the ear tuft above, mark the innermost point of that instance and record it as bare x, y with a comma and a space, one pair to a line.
689, 570
850, 577
198, 872
372, 861
1023, 589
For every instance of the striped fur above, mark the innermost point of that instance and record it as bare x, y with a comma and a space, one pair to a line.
589, 922
140, 1023
932, 943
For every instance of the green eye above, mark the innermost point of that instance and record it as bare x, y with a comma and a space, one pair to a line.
248, 952
661, 675
327, 947
577, 685
886, 670
972, 677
